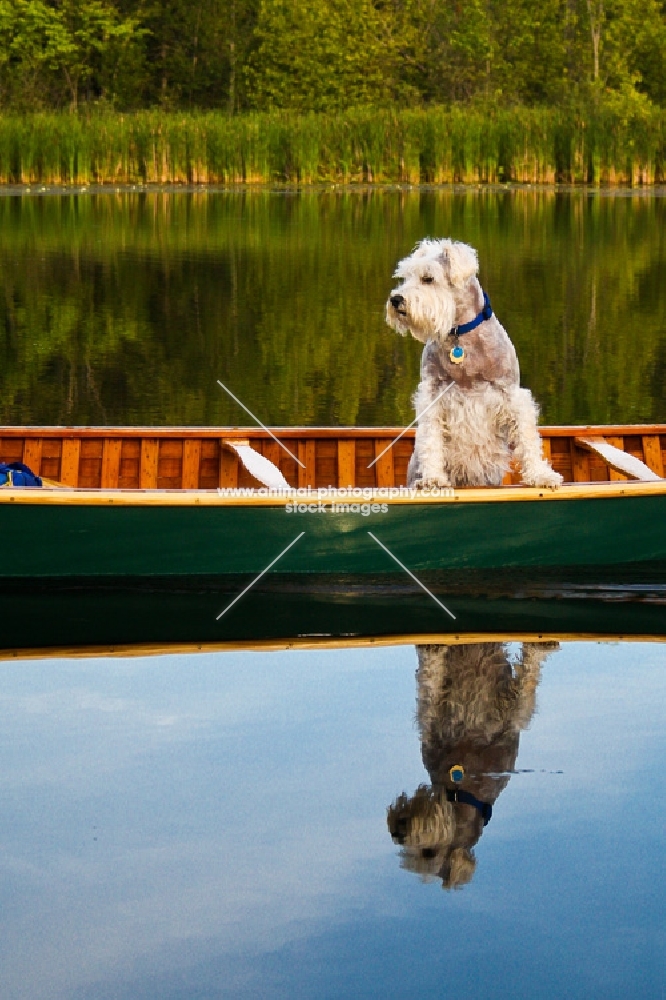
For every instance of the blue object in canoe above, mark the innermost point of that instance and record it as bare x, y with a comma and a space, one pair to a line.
18, 474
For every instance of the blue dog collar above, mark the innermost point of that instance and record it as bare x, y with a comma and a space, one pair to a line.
459, 795
485, 314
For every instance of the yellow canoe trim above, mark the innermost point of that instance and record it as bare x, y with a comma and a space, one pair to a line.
312, 643
212, 498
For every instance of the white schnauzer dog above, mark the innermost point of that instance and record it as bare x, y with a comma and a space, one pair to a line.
473, 703
473, 417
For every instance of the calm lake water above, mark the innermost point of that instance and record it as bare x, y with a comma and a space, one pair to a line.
215, 826
125, 308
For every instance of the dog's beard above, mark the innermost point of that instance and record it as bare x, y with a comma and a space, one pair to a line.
396, 320
427, 315
455, 867
425, 826
424, 821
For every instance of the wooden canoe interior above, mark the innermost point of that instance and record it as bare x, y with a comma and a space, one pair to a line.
197, 458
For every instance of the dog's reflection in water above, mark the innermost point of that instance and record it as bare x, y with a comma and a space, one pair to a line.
473, 702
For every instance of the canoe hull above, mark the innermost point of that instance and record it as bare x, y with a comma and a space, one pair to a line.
158, 570
605, 535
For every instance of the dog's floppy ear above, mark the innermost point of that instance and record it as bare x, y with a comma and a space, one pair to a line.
461, 262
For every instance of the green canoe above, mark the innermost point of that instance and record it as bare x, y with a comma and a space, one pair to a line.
90, 566
153, 535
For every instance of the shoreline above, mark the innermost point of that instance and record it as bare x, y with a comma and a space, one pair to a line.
324, 187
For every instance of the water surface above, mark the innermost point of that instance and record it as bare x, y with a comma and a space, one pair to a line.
125, 308
215, 826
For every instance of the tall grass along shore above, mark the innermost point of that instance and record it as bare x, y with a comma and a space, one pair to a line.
604, 146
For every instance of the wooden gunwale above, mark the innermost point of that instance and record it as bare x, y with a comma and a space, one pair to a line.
578, 430
309, 642
204, 458
213, 498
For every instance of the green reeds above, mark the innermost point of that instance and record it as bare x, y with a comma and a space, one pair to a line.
607, 144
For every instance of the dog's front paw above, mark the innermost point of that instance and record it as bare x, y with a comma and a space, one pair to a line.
545, 477
434, 483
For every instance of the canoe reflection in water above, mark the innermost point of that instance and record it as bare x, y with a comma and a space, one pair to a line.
473, 702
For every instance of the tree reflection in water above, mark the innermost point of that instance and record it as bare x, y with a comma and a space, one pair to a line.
473, 703
125, 308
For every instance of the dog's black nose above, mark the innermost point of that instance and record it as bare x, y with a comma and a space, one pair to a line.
397, 301
399, 830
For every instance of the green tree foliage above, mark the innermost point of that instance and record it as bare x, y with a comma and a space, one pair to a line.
72, 45
326, 54
329, 54
96, 36
32, 42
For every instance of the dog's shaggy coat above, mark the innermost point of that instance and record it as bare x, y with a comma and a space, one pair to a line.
484, 420
472, 705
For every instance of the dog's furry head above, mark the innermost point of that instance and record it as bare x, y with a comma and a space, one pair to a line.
473, 702
433, 278
425, 828
423, 822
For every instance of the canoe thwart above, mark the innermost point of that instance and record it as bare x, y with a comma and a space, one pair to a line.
260, 467
618, 459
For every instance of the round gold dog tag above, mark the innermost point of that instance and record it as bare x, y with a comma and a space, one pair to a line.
457, 773
456, 354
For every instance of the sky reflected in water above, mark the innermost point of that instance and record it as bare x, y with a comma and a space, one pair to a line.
215, 826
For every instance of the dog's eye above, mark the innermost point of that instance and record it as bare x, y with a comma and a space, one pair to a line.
427, 279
